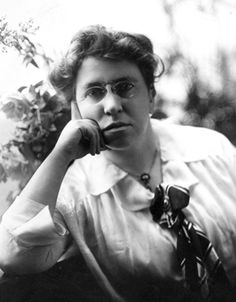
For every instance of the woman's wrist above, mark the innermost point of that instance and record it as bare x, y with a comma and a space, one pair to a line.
62, 157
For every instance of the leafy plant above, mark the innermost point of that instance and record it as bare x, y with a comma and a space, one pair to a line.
21, 39
38, 116
38, 113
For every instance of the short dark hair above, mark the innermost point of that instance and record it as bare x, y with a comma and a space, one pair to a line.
99, 42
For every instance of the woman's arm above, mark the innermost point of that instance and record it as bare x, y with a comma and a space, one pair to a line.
77, 139
30, 241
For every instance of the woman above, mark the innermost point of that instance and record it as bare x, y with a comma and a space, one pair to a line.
103, 189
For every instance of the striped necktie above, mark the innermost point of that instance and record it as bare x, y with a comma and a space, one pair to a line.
202, 269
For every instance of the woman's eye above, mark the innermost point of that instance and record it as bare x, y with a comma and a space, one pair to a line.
96, 93
125, 86
125, 89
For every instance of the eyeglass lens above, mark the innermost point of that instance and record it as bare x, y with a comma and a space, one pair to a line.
124, 89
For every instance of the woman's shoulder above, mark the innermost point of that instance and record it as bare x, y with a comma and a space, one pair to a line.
188, 142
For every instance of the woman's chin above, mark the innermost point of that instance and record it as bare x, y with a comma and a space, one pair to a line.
118, 140
117, 145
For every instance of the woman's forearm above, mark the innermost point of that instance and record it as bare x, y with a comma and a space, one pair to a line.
44, 185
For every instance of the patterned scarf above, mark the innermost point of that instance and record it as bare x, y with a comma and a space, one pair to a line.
200, 264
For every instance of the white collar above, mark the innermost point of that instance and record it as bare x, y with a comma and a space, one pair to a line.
177, 149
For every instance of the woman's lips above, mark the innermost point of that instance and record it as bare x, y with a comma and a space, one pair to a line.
114, 131
118, 126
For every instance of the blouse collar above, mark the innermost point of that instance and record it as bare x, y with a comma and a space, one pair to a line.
102, 174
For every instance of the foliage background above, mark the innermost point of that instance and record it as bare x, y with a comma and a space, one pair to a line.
197, 89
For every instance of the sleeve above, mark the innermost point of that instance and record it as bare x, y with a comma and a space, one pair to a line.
229, 156
32, 224
31, 240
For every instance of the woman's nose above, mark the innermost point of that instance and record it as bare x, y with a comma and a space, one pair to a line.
112, 103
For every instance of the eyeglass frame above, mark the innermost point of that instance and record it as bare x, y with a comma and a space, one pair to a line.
113, 89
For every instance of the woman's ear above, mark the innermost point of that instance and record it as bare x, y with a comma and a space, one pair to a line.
151, 100
151, 106
152, 95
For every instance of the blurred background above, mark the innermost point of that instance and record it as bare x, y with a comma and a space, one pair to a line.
195, 38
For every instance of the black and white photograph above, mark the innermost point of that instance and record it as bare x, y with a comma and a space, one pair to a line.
117, 151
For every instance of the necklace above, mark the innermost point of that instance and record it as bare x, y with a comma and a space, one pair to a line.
145, 177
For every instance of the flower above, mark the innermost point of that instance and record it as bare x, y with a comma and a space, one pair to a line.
15, 106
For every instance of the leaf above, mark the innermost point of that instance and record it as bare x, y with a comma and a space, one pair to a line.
28, 59
3, 174
20, 89
34, 63
52, 128
38, 84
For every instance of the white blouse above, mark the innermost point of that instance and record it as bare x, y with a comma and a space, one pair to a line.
107, 212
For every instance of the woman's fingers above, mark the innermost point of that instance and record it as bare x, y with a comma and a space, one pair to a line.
101, 138
97, 143
91, 135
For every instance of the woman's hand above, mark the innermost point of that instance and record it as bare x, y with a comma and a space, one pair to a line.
78, 138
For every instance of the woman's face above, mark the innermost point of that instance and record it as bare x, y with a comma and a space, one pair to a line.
115, 95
